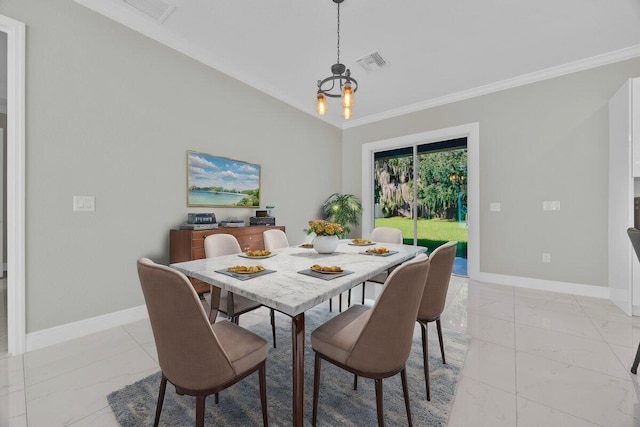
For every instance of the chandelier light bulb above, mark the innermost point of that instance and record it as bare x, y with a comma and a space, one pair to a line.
347, 95
321, 104
346, 113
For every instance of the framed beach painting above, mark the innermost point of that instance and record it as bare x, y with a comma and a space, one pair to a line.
221, 182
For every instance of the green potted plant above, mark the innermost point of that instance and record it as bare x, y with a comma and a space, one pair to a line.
343, 209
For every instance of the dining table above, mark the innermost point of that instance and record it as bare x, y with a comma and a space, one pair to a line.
287, 284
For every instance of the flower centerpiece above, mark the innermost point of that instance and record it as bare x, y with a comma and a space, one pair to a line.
326, 240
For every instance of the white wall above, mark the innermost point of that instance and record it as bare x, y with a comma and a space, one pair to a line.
543, 141
112, 114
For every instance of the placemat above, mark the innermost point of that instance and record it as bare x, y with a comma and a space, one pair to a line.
385, 254
324, 276
245, 276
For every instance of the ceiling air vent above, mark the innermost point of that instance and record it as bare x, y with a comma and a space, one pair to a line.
373, 62
157, 9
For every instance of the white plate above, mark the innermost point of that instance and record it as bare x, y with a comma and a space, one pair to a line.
362, 244
256, 257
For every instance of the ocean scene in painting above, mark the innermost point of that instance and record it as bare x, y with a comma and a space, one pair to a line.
218, 181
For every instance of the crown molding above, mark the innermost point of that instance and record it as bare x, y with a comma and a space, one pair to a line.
549, 73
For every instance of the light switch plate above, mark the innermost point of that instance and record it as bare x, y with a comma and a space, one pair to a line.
551, 205
495, 207
84, 203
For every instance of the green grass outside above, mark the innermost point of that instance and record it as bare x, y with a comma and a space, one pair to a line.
431, 232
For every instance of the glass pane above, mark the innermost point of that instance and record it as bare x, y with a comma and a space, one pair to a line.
442, 200
394, 191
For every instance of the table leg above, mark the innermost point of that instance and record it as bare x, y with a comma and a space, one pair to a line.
297, 351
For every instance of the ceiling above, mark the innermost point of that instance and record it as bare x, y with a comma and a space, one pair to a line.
438, 50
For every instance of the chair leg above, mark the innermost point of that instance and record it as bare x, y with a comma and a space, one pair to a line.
405, 390
634, 368
425, 357
363, 283
217, 398
200, 411
262, 373
330, 304
441, 342
379, 402
316, 389
163, 387
273, 326
355, 382
340, 303
349, 298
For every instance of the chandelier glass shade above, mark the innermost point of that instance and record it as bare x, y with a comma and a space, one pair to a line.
339, 84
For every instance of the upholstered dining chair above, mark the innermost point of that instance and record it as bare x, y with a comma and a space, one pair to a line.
364, 341
227, 302
634, 236
275, 239
380, 235
434, 298
198, 358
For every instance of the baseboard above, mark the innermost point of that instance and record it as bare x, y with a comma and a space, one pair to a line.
69, 331
544, 285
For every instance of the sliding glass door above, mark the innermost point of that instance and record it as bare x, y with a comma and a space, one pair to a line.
394, 198
422, 190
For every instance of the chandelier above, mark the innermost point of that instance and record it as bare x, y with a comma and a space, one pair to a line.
339, 85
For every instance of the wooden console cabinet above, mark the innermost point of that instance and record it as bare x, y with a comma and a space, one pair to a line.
187, 245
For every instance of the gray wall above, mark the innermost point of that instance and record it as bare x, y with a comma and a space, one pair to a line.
543, 141
112, 114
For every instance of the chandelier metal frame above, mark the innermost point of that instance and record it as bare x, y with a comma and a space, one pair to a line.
340, 74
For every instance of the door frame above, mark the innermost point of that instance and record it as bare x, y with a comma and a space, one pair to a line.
471, 131
16, 59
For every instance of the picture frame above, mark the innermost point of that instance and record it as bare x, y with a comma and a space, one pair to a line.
214, 181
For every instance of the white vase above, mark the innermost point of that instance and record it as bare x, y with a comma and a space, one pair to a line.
325, 244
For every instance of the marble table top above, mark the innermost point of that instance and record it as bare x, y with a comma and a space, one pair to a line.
288, 291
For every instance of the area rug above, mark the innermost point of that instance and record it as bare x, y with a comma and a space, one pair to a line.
339, 404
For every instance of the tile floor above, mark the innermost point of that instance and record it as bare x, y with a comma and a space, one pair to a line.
535, 359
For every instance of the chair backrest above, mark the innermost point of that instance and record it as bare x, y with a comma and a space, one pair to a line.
275, 239
385, 340
221, 244
435, 291
386, 235
189, 353
634, 236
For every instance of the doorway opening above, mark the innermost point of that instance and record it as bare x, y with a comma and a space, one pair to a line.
422, 191
15, 184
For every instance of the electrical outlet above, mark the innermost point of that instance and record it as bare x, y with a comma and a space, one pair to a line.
84, 203
546, 257
495, 207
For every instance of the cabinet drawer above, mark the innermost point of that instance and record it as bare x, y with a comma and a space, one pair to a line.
251, 246
198, 253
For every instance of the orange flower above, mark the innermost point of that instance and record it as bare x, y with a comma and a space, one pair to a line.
324, 228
